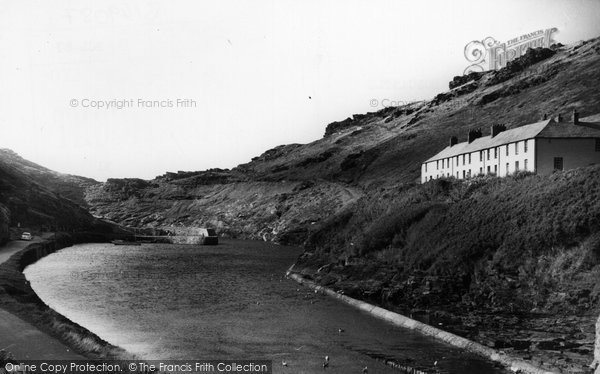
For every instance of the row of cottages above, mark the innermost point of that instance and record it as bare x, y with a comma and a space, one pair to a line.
542, 147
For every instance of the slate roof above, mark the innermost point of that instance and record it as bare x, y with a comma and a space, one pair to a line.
588, 127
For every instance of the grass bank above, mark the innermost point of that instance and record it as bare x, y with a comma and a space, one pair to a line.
497, 260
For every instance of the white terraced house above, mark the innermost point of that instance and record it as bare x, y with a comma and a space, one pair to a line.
542, 147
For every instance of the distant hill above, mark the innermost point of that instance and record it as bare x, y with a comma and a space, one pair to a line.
71, 187
35, 197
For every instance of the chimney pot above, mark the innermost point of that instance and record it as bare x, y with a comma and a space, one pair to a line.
474, 134
497, 129
575, 117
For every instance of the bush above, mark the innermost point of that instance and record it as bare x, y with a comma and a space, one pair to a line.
479, 232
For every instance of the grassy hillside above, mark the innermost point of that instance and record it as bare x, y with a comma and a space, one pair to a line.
71, 187
359, 155
4, 224
37, 198
510, 262
387, 147
489, 242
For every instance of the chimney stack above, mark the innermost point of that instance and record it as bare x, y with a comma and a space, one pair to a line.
545, 117
559, 118
474, 134
497, 129
575, 117
453, 141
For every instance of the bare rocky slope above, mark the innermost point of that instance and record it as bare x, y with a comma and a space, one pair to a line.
510, 262
291, 190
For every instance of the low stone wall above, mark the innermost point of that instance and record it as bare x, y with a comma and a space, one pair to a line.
186, 239
512, 363
17, 296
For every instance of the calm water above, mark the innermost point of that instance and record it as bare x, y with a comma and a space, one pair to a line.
231, 302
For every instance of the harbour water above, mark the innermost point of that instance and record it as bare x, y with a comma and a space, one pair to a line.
229, 301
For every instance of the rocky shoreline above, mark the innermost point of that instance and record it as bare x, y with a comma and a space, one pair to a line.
18, 298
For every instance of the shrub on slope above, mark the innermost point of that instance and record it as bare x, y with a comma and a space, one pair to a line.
486, 236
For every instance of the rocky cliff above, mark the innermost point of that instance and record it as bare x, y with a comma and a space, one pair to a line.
282, 211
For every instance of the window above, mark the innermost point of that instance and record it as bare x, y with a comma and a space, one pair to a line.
495, 169
469, 173
426, 168
517, 148
463, 159
525, 147
457, 161
507, 149
470, 157
495, 152
480, 155
457, 175
463, 174
488, 154
488, 169
507, 166
525, 164
516, 166
597, 144
558, 163
437, 165
481, 170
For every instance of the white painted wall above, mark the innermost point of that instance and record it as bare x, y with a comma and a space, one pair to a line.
495, 158
525, 159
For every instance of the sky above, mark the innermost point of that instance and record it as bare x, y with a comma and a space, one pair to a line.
114, 89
